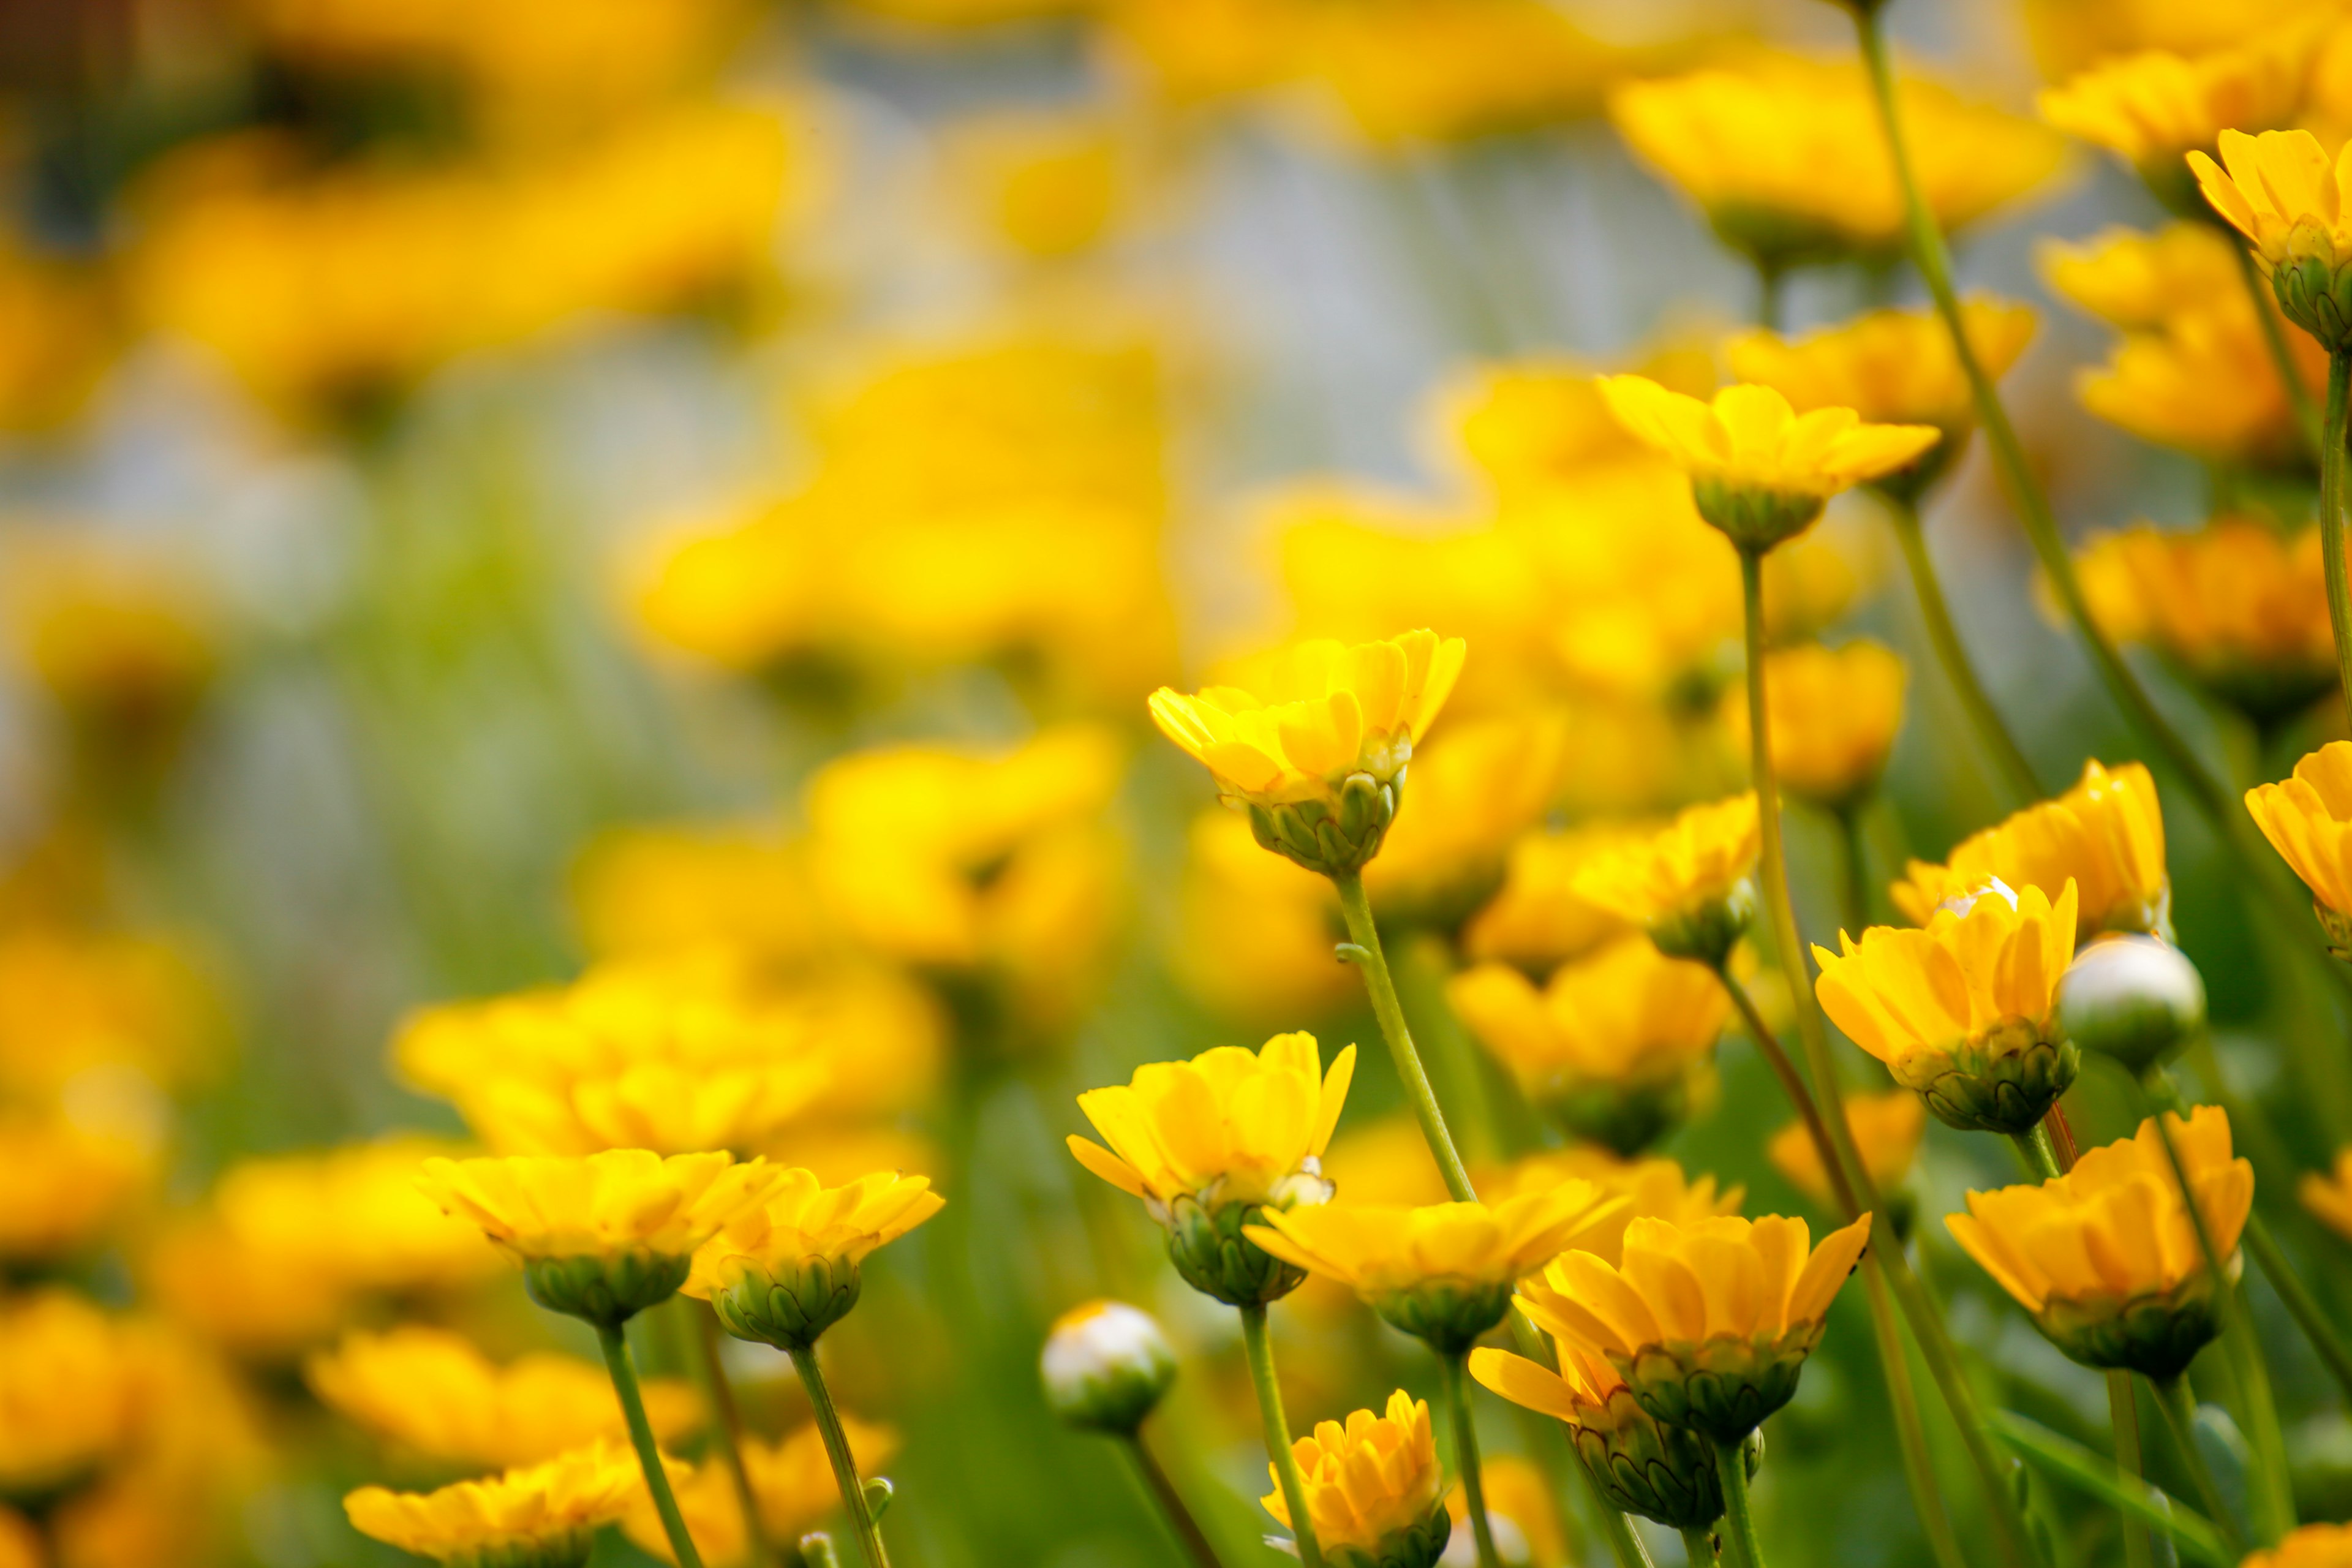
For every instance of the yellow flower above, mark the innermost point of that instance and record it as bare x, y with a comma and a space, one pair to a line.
2308, 820
2068, 35
648, 891
2106, 1257
1210, 1143
2330, 1197
21, 1545
2105, 836
1315, 746
1522, 428
2238, 609
75, 1386
1833, 714
71, 1001
1474, 789
1371, 1486
62, 1182
1686, 885
542, 1517
1653, 1187
1616, 1045
2313, 1546
1442, 1273
353, 1216
787, 1269
1414, 72
1709, 1325
433, 1392
1785, 157
2284, 194
792, 1481
1538, 921
606, 1235
1890, 367
1258, 930
1964, 1011
1759, 469
2135, 282
1048, 184
60, 336
1886, 1131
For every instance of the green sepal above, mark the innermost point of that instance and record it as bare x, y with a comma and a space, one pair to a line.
568, 1549
1206, 1244
1447, 1315
607, 1291
1661, 1472
1419, 1546
790, 1305
1751, 517
1722, 1387
2004, 1081
2336, 928
1705, 934
1332, 838
1624, 1116
2157, 1333
2313, 290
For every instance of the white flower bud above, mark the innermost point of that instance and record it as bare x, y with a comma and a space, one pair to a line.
1105, 1366
2132, 997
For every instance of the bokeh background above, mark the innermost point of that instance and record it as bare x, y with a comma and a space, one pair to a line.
493, 490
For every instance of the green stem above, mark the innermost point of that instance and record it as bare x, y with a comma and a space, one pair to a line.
1423, 965
709, 1374
2331, 516
1365, 937
2040, 1157
1698, 1545
1740, 1547
2179, 1407
2298, 396
1770, 294
2301, 1305
1278, 1434
1856, 913
1910, 1432
2195, 1537
845, 1463
616, 1345
2123, 1414
1769, 1046
1168, 1500
1454, 1373
1952, 657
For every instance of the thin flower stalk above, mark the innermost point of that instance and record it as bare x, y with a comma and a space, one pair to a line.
2332, 438
1456, 1380
836, 1449
2179, 1407
1952, 657
1168, 1502
1364, 950
615, 1346
2298, 396
709, 1372
1260, 1349
1740, 1547
1910, 1432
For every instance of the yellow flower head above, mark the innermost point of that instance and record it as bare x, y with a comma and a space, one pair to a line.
71, 1001
542, 1515
75, 1387
353, 1217
787, 1269
1474, 789
2106, 1257
1833, 714
1708, 1324
2135, 282
2313, 1546
1653, 1187
1315, 747
2285, 195
1645, 1467
433, 1392
1538, 921
792, 1483
1210, 1143
62, 1182
1963, 1011
1372, 1486
1614, 1046
1886, 1131
2308, 820
2330, 1197
652, 891
1688, 885
2105, 836
1759, 469
1442, 1273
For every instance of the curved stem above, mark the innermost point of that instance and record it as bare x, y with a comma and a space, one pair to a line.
2033, 1147
2179, 1407
615, 1346
1740, 1546
2298, 396
1278, 1434
1952, 657
845, 1463
1698, 1546
1456, 1381
1365, 936
1168, 1500
2331, 516
709, 1374
1910, 1432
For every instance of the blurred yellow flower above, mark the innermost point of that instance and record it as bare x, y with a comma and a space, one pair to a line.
1537, 920
1833, 714
2330, 1197
265, 1306
1443, 1272
2308, 820
63, 1180
1709, 1325
643, 891
2236, 607
2135, 281
75, 1386
1518, 1502
1965, 1011
787, 1269
1523, 426
2068, 35
615, 1204
546, 1514
1403, 72
1784, 155
21, 1545
123, 1006
2283, 193
1257, 930
791, 1480
434, 1393
1047, 183
1616, 1045
1688, 885
2105, 836
2312, 1546
1886, 1132
1372, 1485
1475, 788
59, 337
2106, 1256
352, 1214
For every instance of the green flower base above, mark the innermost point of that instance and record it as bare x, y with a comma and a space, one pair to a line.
1419, 1547
1214, 1257
1751, 517
2336, 928
1625, 1118
605, 1291
1332, 839
1661, 1472
2005, 1080
2314, 291
1722, 1388
1447, 1315
1707, 932
2157, 1333
788, 1306
568, 1549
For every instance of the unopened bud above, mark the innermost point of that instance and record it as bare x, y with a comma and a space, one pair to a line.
2132, 999
1105, 1365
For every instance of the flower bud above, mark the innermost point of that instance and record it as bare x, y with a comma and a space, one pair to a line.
786, 1305
1707, 930
1105, 1366
1206, 1244
2314, 289
2132, 999
1332, 839
606, 1292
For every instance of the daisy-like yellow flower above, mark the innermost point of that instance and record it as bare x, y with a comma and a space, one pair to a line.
2134, 280
1442, 1273
1646, 1467
542, 1517
1759, 470
792, 1484
2285, 195
2106, 1256
1315, 746
1833, 714
1614, 1047
1372, 1487
1537, 920
1653, 1187
2313, 1546
1891, 366
788, 1267
1964, 1011
606, 1235
2105, 836
1688, 884
1474, 790
435, 1393
1886, 1132
76, 1389
2330, 1197
1710, 1325
2308, 820
1212, 1143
